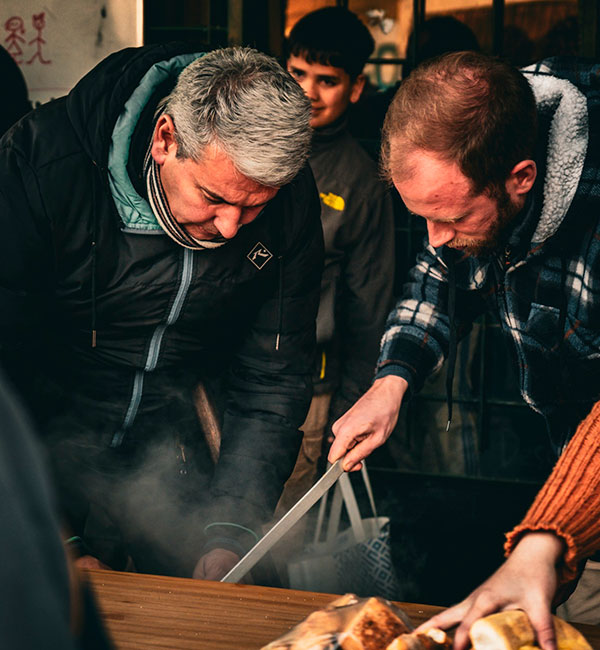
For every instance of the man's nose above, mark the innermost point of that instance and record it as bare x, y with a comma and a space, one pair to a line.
439, 233
227, 221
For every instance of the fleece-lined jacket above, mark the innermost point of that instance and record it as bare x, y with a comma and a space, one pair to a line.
545, 287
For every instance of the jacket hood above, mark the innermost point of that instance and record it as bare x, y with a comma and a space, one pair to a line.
99, 98
104, 108
566, 108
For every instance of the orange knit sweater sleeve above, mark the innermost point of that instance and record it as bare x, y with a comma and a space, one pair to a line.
569, 502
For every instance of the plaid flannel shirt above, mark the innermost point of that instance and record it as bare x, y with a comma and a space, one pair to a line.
545, 289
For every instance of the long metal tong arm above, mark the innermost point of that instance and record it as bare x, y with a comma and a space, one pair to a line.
285, 523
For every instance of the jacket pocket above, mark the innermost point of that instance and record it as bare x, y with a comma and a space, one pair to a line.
542, 326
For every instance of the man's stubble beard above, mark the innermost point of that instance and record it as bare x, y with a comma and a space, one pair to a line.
498, 234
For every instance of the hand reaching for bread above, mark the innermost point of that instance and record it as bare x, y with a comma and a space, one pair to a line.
526, 581
512, 630
352, 623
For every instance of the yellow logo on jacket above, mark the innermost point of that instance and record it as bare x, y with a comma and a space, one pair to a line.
333, 200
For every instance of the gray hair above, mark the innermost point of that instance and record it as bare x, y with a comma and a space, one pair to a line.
244, 102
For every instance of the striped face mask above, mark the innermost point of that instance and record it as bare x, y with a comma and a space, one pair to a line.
160, 207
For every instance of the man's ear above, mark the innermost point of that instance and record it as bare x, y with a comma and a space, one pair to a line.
164, 138
357, 88
521, 178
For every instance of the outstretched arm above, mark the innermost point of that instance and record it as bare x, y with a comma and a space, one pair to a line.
413, 347
555, 536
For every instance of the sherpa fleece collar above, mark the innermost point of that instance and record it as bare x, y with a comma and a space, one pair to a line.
567, 145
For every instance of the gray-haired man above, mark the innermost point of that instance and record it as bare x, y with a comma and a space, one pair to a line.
157, 234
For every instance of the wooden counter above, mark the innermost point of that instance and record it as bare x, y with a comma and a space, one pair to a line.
143, 611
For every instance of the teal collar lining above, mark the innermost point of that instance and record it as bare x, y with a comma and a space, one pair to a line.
135, 211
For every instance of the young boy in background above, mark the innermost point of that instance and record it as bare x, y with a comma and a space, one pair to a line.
326, 52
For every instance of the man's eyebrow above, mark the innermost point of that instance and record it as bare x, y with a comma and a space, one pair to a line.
212, 195
439, 219
220, 199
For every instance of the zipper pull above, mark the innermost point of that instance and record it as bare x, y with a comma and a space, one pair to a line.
181, 457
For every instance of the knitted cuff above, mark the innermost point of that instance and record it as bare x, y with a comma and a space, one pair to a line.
568, 504
568, 569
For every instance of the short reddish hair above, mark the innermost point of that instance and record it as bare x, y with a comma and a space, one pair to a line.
467, 107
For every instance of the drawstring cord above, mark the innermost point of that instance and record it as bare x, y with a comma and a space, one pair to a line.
280, 310
453, 344
93, 279
562, 319
278, 237
94, 291
563, 304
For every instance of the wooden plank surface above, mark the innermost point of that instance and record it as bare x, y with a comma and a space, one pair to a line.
144, 611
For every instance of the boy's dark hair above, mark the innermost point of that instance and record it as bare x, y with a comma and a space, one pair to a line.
332, 36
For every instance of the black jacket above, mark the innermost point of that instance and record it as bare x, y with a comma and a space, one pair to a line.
356, 288
74, 260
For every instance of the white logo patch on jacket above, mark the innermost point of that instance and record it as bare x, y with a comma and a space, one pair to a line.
259, 255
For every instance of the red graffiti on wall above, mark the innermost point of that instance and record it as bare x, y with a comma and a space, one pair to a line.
15, 26
39, 22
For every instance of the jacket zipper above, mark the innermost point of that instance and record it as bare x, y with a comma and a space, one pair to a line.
507, 318
186, 278
154, 347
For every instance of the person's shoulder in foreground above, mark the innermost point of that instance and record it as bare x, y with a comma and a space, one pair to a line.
40, 593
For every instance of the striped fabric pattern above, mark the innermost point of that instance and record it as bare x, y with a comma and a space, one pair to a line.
160, 206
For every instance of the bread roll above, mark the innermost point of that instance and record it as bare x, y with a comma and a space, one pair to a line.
512, 630
347, 623
433, 639
373, 627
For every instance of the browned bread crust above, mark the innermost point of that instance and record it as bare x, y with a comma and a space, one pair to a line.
511, 630
347, 623
372, 628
